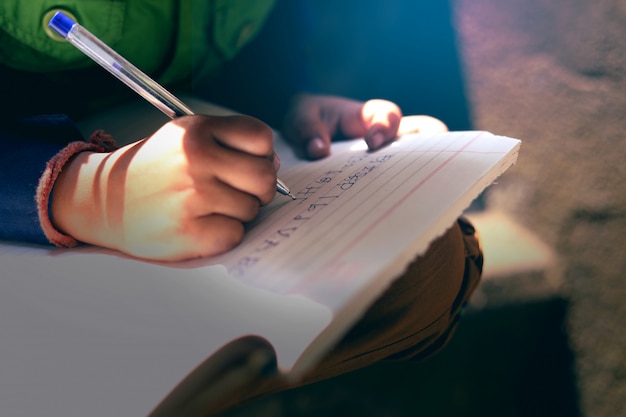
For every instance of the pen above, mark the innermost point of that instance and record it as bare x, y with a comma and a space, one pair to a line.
126, 72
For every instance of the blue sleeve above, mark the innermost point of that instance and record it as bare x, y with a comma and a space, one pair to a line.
27, 146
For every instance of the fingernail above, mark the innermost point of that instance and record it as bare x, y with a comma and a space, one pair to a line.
376, 140
316, 147
276, 162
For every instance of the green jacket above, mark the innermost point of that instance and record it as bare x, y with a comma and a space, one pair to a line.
168, 39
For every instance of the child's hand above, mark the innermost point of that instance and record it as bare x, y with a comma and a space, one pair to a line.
313, 120
183, 192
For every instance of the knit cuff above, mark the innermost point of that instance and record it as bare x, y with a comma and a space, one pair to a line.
99, 141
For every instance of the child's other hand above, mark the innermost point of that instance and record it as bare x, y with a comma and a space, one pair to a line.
184, 192
313, 120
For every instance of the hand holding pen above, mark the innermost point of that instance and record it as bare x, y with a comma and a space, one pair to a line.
134, 78
184, 192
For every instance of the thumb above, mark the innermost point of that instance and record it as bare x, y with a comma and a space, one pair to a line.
318, 144
309, 134
381, 119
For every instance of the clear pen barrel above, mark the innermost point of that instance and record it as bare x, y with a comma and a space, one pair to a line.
126, 72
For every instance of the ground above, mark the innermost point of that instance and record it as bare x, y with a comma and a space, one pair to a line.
553, 74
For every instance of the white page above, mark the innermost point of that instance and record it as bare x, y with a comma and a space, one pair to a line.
356, 210
86, 333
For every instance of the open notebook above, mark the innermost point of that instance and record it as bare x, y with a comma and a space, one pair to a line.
89, 332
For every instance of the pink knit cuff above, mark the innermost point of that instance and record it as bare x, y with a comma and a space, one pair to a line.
99, 141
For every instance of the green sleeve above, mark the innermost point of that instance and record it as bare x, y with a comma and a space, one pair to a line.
167, 39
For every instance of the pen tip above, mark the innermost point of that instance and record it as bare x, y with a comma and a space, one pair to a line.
293, 197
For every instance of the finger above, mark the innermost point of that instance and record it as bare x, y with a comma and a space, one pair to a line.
255, 175
219, 198
309, 125
215, 234
276, 162
309, 133
242, 133
249, 174
246, 134
381, 119
421, 124
317, 147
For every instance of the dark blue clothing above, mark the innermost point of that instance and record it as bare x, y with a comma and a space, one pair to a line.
22, 160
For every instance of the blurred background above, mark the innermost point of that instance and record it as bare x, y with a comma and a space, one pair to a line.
546, 332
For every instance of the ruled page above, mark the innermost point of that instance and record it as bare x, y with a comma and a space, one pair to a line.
358, 213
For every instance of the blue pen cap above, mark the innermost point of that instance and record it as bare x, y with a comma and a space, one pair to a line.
62, 23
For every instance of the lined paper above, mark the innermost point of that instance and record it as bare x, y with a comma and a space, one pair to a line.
357, 210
